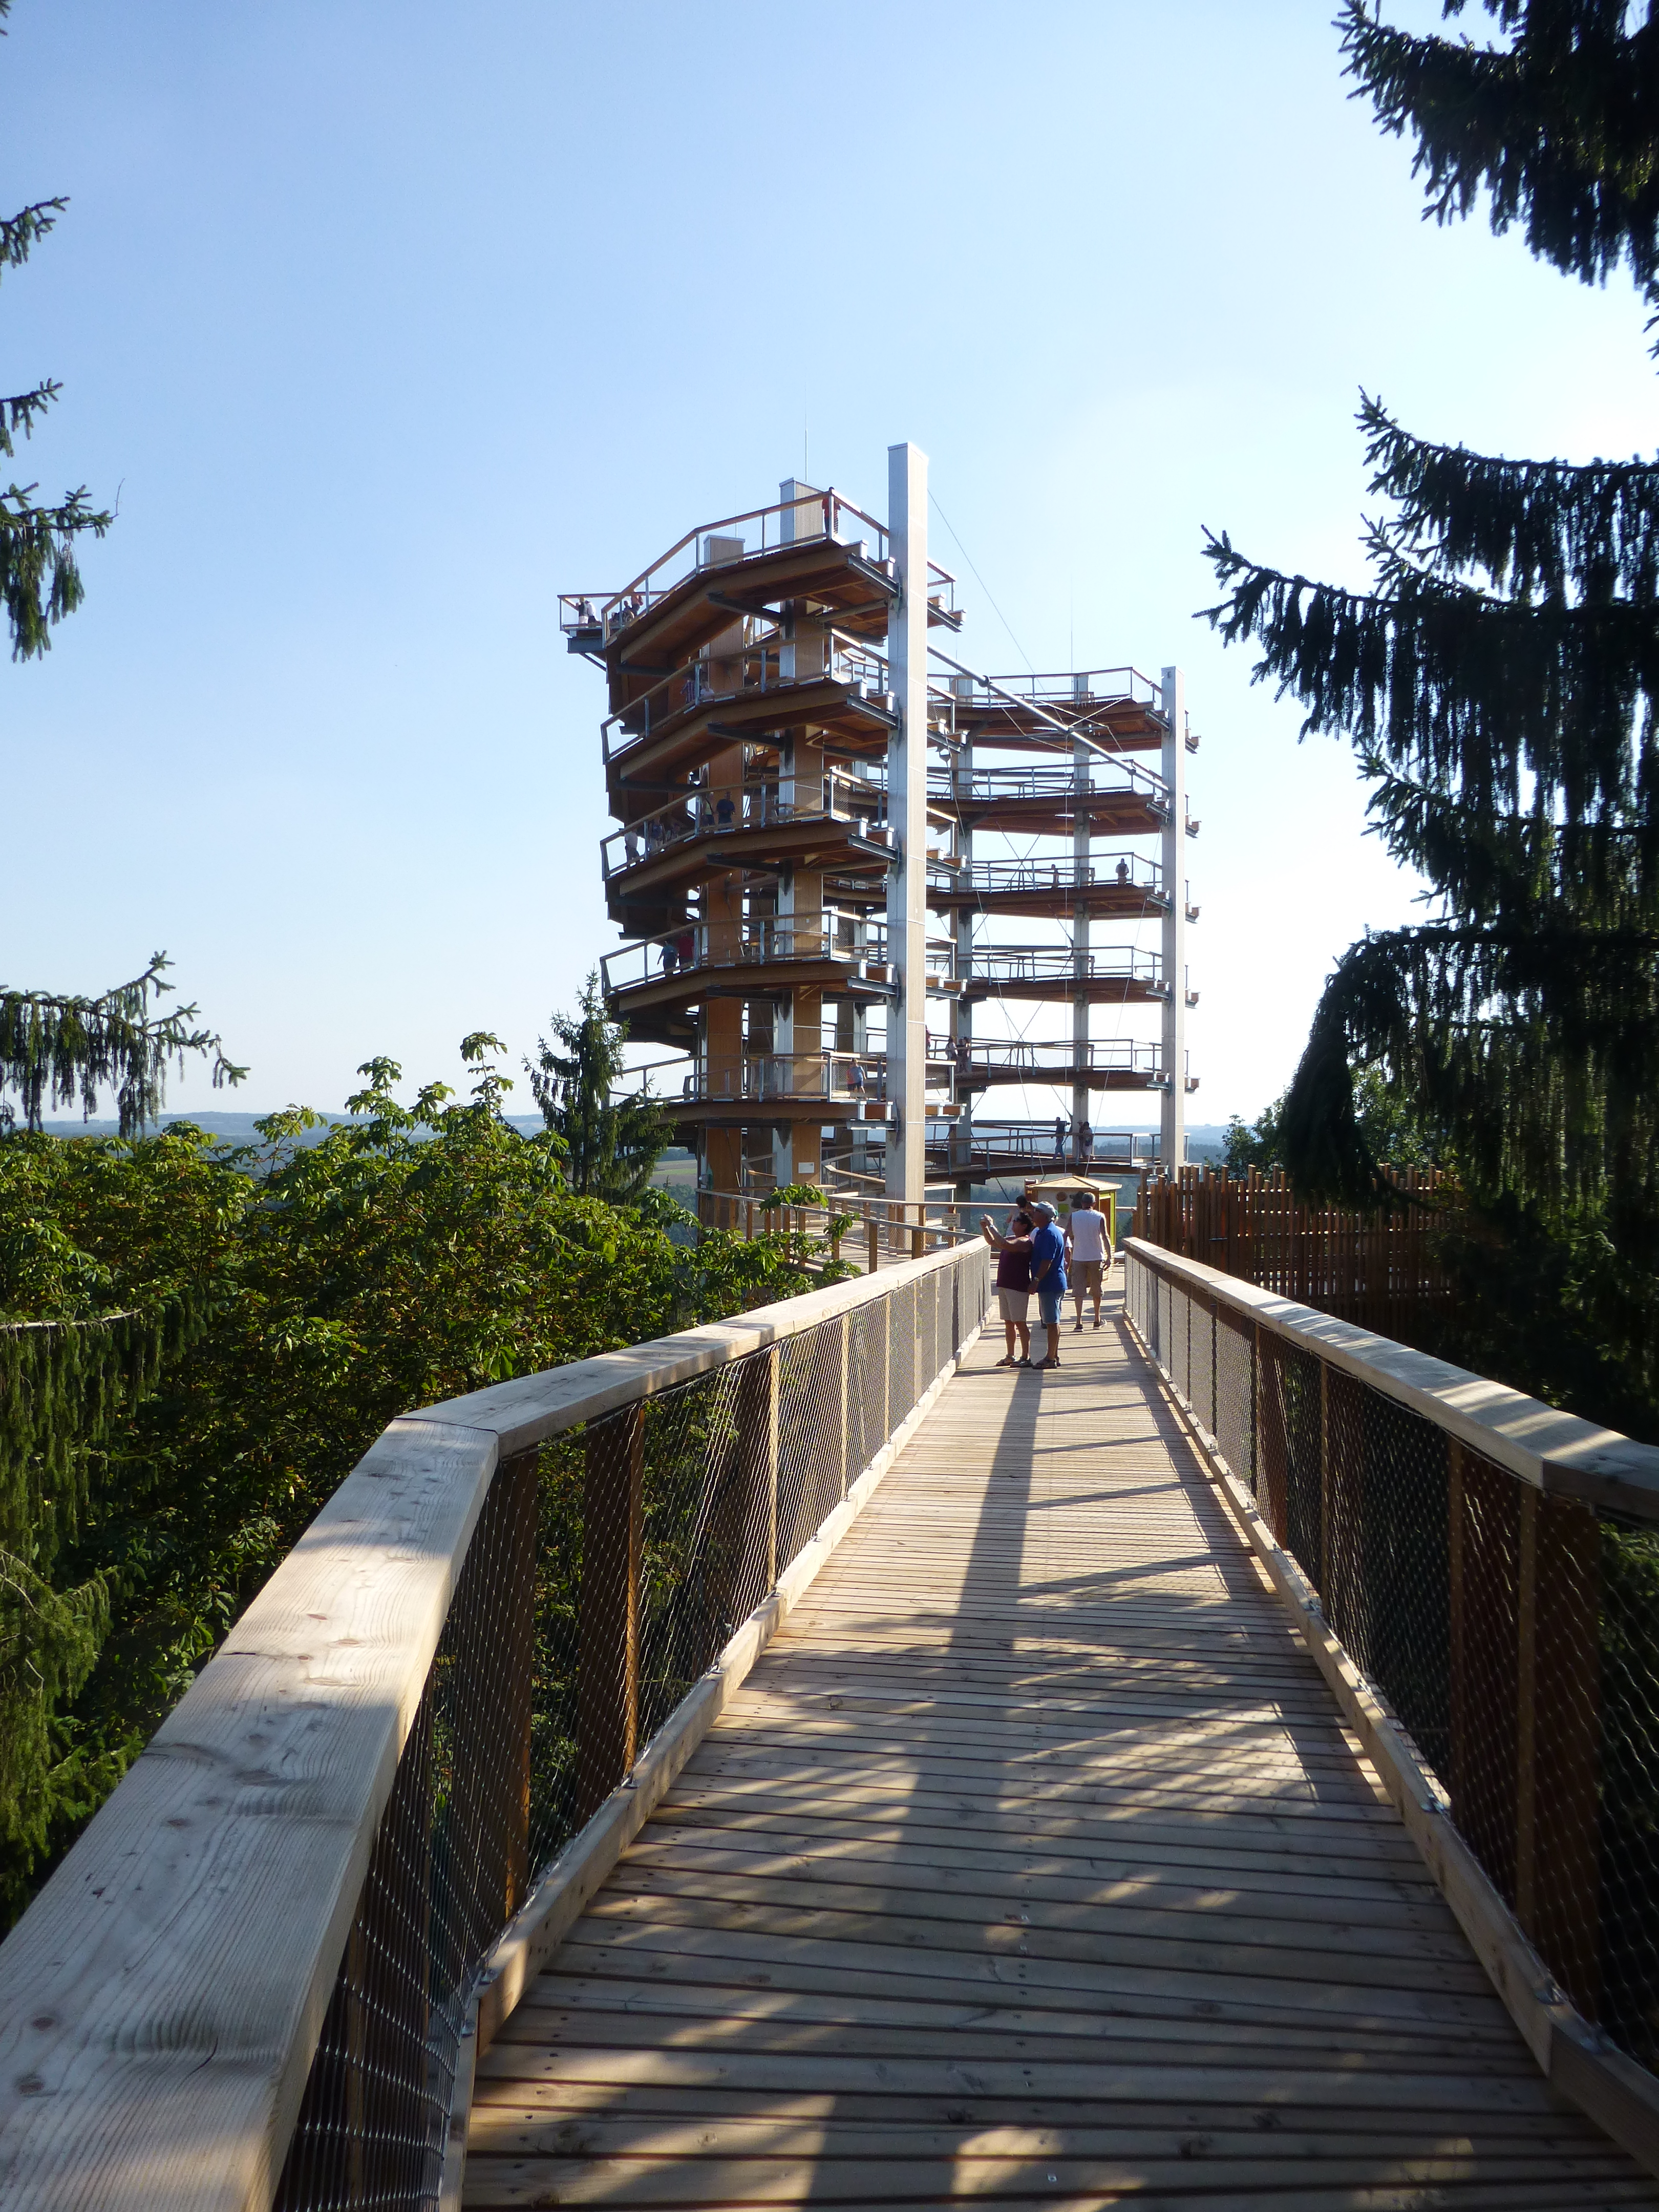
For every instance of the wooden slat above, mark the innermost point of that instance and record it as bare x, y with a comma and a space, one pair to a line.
1034, 1846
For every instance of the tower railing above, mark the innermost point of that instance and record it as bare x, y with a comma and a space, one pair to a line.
991, 964
985, 785
1013, 1059
849, 1078
858, 945
784, 523
260, 1976
705, 812
1063, 691
757, 669
1129, 870
1478, 1575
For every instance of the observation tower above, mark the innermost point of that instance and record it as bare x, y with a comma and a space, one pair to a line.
864, 885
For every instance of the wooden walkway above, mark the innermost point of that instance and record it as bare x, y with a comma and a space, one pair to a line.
1034, 1865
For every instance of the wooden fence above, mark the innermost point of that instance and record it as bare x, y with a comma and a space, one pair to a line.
1380, 1270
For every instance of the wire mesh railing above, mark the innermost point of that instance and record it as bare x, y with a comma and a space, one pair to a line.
609, 1568
1497, 1589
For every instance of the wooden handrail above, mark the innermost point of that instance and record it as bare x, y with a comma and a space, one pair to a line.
161, 1999
1542, 1446
1509, 1814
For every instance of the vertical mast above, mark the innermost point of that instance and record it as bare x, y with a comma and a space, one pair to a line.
1080, 775
1172, 1139
906, 823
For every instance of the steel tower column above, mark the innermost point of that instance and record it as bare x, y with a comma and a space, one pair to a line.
1172, 1125
906, 825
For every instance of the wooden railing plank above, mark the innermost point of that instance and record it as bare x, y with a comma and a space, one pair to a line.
1553, 1451
533, 1408
162, 1998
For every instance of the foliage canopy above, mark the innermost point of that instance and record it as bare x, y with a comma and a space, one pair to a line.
1500, 684
610, 1144
282, 1303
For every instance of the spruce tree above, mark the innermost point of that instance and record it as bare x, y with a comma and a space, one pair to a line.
39, 580
61, 1047
1500, 683
610, 1144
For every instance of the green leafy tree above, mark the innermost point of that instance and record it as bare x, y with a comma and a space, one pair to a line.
198, 1344
1500, 683
611, 1145
39, 578
1389, 1124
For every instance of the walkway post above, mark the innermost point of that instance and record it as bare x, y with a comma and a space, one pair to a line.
1172, 1123
907, 825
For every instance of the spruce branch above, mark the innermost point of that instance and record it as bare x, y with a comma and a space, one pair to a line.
40, 578
21, 231
1546, 529
19, 411
62, 1048
1559, 128
1502, 701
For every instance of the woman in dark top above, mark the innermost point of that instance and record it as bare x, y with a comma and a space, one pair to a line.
1013, 1282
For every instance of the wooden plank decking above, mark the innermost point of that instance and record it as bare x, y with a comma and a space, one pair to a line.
1033, 1864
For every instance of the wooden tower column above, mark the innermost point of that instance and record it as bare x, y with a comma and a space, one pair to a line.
799, 1039
1080, 769
907, 823
961, 1011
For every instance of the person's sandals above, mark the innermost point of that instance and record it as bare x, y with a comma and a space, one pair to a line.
1077, 1329
1010, 1362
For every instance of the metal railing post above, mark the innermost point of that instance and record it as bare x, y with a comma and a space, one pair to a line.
1556, 1740
1273, 1445
1482, 1546
520, 1474
757, 1444
844, 1364
1326, 1499
882, 1352
608, 1682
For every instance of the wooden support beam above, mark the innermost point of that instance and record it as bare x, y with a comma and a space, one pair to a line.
1483, 1544
1558, 1703
608, 1680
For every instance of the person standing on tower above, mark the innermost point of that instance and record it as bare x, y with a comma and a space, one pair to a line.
1049, 1275
1087, 1254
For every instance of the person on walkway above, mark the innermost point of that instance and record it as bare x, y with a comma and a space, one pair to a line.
1060, 1138
1088, 1254
1013, 1282
1049, 1275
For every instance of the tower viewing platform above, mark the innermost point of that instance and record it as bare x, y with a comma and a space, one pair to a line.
830, 832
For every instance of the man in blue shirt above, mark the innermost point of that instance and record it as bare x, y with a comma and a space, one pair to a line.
1048, 1274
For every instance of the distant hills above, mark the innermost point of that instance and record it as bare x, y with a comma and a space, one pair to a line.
1204, 1139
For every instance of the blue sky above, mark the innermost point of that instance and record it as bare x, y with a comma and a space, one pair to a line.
388, 323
